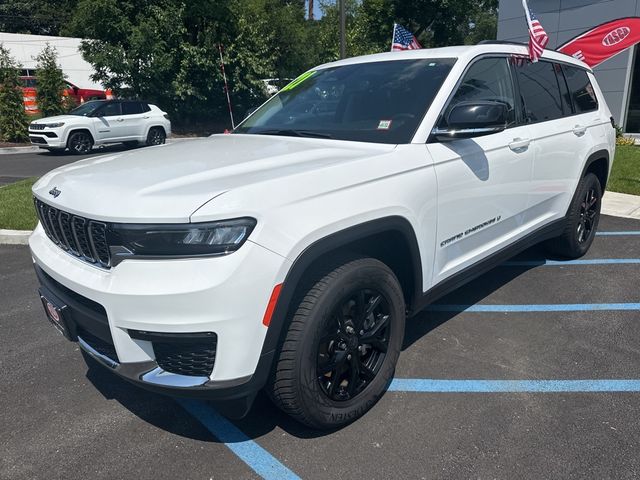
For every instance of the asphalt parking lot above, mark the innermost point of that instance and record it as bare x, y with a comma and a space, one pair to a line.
531, 371
18, 166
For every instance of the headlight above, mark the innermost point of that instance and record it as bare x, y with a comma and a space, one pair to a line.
54, 125
179, 240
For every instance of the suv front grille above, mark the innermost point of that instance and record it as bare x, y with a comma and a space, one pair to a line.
36, 126
79, 236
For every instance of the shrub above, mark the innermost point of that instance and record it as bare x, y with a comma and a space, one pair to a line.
51, 84
13, 120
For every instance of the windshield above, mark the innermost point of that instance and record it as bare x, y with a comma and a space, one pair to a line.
380, 102
86, 108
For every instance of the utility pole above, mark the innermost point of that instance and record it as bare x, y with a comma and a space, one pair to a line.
343, 28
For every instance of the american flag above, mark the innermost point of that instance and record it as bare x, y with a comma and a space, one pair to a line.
538, 38
403, 39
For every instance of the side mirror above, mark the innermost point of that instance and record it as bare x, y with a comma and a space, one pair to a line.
473, 119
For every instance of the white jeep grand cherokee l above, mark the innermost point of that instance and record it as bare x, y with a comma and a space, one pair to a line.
288, 255
99, 122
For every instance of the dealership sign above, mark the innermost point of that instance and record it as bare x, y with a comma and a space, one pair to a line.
604, 41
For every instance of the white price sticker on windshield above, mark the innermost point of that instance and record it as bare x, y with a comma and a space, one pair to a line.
384, 125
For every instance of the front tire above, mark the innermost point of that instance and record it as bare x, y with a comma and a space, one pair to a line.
342, 345
582, 220
80, 143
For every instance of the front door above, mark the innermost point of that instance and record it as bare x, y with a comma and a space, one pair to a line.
483, 182
109, 123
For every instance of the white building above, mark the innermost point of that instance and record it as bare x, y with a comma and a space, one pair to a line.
25, 48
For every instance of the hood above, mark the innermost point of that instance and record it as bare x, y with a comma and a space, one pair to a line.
57, 118
169, 182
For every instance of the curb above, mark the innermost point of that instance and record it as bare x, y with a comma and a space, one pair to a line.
621, 205
8, 150
14, 237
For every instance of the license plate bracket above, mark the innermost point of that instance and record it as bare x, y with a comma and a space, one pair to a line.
56, 313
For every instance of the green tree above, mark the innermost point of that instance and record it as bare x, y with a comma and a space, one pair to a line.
35, 16
51, 83
166, 52
13, 120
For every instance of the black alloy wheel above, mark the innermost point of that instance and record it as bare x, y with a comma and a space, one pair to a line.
341, 343
156, 136
588, 213
80, 143
353, 347
581, 222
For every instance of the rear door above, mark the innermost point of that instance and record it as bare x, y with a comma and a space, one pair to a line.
133, 120
483, 182
559, 138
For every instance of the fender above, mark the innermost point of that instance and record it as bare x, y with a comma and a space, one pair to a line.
313, 252
594, 157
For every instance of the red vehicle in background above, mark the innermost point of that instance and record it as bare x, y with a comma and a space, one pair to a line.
79, 95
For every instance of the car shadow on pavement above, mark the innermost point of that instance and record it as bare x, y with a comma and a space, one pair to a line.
111, 148
472, 293
165, 413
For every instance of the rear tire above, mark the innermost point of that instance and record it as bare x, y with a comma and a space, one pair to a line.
342, 345
581, 221
156, 136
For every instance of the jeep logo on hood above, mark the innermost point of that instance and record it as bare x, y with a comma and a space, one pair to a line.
616, 36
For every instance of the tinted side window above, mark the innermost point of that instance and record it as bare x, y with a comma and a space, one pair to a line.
110, 110
584, 97
145, 107
487, 79
131, 108
540, 91
564, 91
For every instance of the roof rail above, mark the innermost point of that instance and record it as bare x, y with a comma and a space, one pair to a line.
501, 42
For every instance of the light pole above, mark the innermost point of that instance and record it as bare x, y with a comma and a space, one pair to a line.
343, 41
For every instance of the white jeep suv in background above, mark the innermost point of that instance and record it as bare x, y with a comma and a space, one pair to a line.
99, 122
288, 255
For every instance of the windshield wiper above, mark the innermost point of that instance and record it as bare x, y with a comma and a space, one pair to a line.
294, 133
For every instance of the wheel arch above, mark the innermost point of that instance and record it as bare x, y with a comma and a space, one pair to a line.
79, 129
598, 163
376, 238
151, 127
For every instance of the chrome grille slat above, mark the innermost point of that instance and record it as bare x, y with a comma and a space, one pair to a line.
79, 236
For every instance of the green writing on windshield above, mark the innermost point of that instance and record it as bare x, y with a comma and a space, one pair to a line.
299, 80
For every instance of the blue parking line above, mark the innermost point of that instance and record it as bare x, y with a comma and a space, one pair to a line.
511, 386
563, 307
617, 234
256, 457
559, 263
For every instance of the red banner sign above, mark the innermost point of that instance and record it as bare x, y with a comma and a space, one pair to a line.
604, 41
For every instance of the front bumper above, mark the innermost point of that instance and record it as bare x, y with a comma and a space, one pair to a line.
224, 295
49, 138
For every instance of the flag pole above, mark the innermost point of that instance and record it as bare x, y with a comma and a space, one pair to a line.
526, 11
393, 35
226, 87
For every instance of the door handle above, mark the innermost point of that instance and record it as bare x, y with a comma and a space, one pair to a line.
119, 119
579, 130
520, 144
146, 116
